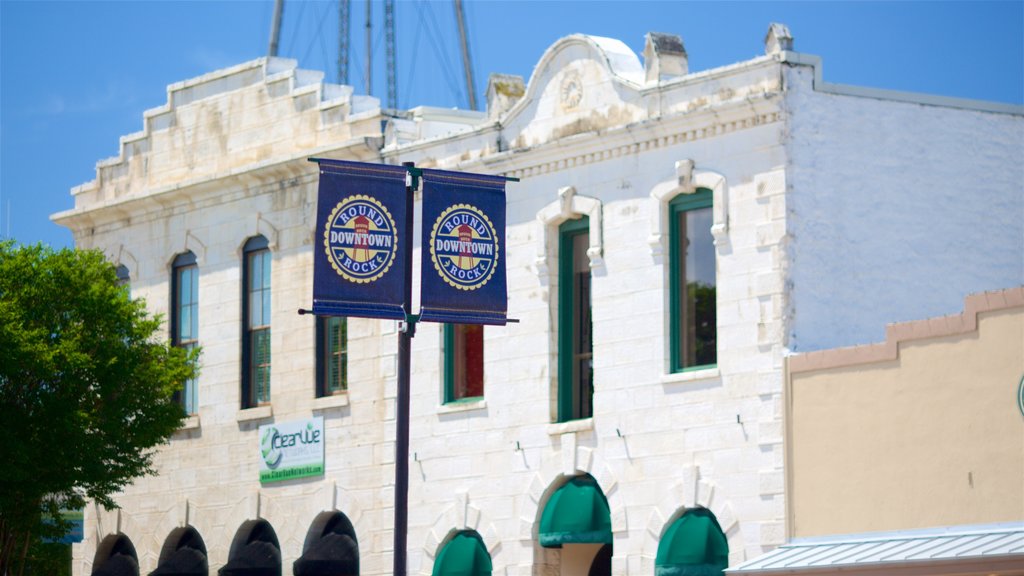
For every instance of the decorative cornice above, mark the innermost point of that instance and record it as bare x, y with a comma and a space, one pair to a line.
682, 136
895, 334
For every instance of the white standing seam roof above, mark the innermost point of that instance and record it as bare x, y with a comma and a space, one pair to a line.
967, 543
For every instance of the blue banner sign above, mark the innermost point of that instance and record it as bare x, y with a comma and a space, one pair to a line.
463, 249
357, 259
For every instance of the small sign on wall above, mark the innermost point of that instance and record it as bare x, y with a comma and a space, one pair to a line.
290, 450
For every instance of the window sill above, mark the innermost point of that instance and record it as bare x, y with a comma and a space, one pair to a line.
191, 422
559, 428
691, 375
256, 413
333, 401
462, 406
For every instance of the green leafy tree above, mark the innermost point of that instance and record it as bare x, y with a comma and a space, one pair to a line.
86, 392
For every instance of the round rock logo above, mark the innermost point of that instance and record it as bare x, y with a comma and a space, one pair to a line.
464, 247
360, 239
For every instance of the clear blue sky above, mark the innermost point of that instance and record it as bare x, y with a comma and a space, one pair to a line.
77, 75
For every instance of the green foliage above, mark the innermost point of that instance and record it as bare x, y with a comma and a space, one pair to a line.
85, 389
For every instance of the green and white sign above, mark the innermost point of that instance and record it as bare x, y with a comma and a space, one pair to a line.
291, 450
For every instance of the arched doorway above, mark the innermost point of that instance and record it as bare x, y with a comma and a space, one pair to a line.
255, 551
577, 521
115, 556
331, 548
693, 544
183, 554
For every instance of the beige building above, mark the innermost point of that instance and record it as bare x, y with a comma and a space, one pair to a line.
907, 456
674, 236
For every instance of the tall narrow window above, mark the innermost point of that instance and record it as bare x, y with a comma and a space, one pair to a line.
256, 323
575, 350
185, 319
463, 362
692, 282
123, 276
331, 355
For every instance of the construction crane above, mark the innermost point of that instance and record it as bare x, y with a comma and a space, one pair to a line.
344, 47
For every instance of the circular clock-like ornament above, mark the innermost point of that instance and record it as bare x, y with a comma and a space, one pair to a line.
571, 90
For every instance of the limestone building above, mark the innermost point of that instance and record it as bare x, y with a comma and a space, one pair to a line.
673, 237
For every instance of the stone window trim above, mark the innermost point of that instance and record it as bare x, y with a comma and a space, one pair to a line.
259, 226
189, 243
255, 413
337, 400
569, 206
688, 181
191, 422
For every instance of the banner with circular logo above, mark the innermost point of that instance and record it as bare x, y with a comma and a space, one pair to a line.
358, 261
463, 262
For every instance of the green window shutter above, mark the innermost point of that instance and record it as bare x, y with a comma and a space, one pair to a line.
463, 555
577, 513
694, 545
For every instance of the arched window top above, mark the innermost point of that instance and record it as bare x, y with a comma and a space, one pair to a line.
186, 258
258, 242
123, 275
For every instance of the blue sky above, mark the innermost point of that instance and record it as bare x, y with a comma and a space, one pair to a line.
77, 75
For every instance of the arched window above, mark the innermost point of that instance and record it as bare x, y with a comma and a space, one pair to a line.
185, 319
256, 323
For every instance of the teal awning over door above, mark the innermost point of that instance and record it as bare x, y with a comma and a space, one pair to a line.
463, 555
577, 513
694, 545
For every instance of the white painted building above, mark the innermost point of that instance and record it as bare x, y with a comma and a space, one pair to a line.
818, 213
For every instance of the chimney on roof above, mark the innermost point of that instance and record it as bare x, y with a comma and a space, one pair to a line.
503, 91
778, 39
664, 57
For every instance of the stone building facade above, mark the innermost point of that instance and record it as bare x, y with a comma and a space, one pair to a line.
823, 212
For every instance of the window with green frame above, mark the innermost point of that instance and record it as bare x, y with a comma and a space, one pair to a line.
331, 355
575, 349
692, 282
185, 319
256, 323
463, 362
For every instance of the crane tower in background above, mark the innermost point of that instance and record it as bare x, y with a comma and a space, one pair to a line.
344, 46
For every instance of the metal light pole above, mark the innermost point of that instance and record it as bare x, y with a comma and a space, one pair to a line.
404, 371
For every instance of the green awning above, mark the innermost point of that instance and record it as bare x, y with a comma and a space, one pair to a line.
463, 555
577, 513
694, 545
